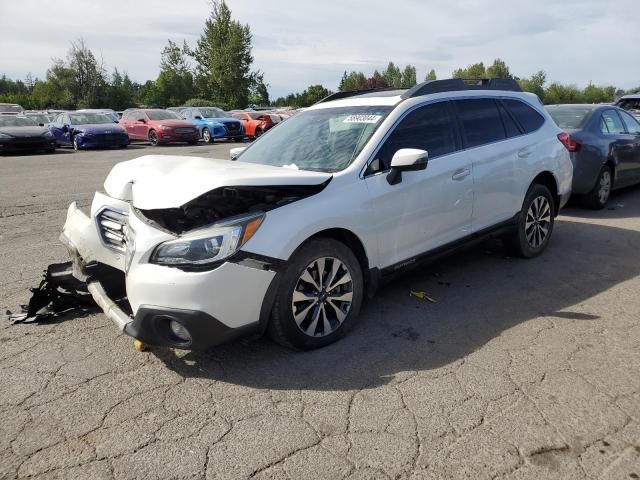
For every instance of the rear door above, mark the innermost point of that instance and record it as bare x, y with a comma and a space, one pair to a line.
429, 207
495, 161
126, 123
633, 129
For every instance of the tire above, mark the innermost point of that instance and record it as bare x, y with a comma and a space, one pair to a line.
535, 223
123, 146
238, 139
597, 198
192, 142
74, 142
312, 308
206, 135
153, 138
258, 132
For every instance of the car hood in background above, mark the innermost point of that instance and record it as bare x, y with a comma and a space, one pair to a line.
21, 132
100, 128
167, 181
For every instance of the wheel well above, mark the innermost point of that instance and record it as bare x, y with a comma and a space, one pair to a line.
352, 241
548, 180
612, 165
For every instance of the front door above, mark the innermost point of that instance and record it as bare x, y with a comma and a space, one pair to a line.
429, 207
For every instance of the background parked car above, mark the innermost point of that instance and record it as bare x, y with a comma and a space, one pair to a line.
10, 108
158, 126
106, 111
631, 103
214, 123
88, 130
255, 123
604, 142
21, 133
41, 118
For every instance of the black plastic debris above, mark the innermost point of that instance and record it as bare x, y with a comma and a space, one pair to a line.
59, 292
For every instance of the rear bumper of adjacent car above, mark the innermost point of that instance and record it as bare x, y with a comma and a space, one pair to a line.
214, 306
586, 170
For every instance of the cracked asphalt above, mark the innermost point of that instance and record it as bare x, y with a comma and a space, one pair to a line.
521, 370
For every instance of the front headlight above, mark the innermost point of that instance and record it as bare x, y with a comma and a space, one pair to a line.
204, 247
165, 127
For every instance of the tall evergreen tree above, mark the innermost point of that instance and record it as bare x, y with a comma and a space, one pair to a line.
224, 59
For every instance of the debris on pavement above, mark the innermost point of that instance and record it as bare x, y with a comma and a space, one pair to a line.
422, 296
58, 293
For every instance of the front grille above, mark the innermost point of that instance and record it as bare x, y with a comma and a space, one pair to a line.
112, 225
184, 130
232, 126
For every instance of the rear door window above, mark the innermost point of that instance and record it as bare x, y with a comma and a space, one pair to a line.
510, 126
481, 122
633, 127
527, 117
613, 123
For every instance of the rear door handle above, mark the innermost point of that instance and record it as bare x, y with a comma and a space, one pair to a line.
525, 152
460, 174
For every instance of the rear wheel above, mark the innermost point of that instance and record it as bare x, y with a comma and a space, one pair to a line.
259, 132
206, 135
319, 296
535, 223
598, 197
153, 138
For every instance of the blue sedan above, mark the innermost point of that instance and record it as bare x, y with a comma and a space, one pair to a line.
88, 130
214, 123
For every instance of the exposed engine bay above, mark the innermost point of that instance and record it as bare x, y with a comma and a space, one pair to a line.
226, 202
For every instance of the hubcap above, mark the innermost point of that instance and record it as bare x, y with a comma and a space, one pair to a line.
538, 221
322, 297
605, 187
206, 135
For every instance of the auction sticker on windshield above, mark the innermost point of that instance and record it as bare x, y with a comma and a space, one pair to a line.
362, 119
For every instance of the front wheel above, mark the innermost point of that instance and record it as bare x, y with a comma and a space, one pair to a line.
76, 145
259, 132
319, 296
535, 223
153, 138
598, 197
206, 135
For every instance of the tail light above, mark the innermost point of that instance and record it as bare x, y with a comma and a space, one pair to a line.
569, 143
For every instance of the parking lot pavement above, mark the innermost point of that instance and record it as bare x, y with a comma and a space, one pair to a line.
522, 369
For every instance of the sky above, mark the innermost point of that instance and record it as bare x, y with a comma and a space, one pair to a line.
297, 43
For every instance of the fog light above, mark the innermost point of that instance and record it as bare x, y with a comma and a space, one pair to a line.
179, 331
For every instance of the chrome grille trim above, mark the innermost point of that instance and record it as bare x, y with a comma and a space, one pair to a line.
112, 226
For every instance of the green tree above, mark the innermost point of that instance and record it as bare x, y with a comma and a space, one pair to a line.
351, 81
535, 84
475, 70
224, 59
408, 77
392, 75
259, 92
431, 75
89, 76
121, 91
174, 84
558, 93
498, 69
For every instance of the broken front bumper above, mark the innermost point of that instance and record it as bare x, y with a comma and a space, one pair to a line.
214, 306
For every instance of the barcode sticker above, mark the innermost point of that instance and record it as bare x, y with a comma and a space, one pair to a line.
362, 119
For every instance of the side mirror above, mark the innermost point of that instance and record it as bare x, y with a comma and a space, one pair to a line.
198, 117
65, 128
41, 124
406, 160
141, 120
235, 152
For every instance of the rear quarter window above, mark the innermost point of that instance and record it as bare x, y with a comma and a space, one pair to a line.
527, 117
481, 122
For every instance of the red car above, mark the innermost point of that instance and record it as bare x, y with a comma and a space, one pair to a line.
255, 123
158, 126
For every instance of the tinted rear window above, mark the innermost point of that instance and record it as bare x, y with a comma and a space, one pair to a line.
569, 117
527, 117
481, 121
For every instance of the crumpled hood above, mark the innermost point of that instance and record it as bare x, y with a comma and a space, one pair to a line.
170, 181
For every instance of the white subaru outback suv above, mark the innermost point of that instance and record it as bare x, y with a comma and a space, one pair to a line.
291, 236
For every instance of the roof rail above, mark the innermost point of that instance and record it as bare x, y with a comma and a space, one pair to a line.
352, 93
458, 84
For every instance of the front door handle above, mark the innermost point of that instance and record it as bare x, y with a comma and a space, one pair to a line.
461, 173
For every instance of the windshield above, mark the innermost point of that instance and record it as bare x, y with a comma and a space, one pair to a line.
38, 117
569, 117
89, 118
212, 113
15, 121
162, 115
327, 139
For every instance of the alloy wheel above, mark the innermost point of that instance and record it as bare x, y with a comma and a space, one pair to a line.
322, 297
604, 187
153, 138
206, 135
76, 145
538, 221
